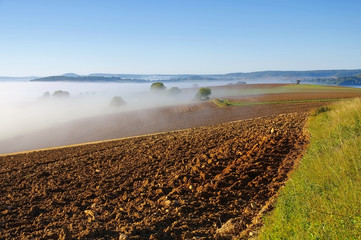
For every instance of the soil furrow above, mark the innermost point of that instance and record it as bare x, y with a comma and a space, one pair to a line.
174, 185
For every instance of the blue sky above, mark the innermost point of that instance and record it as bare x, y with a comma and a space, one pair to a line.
42, 37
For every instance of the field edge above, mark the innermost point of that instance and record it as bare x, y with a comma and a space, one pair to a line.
319, 201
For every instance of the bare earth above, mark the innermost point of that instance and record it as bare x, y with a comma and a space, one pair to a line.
209, 182
160, 186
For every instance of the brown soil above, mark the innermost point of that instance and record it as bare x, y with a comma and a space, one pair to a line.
175, 185
296, 96
251, 86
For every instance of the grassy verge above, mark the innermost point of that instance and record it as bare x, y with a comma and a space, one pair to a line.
318, 88
322, 199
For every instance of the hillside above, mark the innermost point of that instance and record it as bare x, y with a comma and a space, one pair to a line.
77, 78
320, 76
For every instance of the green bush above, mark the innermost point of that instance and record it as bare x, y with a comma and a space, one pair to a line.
157, 86
61, 94
321, 110
174, 91
117, 102
203, 94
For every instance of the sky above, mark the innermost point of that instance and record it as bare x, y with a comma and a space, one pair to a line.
42, 37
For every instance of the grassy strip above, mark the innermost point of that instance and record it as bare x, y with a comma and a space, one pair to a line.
318, 88
322, 199
225, 102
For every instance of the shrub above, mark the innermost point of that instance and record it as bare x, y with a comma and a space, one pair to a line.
203, 94
61, 94
46, 94
321, 110
221, 102
241, 83
174, 91
157, 86
117, 102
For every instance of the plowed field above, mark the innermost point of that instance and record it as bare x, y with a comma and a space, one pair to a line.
212, 180
175, 185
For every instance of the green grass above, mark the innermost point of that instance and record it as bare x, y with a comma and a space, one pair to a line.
322, 198
306, 87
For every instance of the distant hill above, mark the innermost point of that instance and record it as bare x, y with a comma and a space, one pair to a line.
349, 81
298, 74
16, 79
67, 78
329, 77
71, 75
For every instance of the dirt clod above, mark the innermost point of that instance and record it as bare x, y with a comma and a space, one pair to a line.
123, 237
231, 227
64, 234
35, 211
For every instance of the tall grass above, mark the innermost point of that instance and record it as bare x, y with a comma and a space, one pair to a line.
322, 199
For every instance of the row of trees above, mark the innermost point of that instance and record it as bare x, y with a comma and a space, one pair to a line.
58, 94
117, 101
159, 87
202, 94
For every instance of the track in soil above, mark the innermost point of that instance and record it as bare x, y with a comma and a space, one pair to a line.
172, 185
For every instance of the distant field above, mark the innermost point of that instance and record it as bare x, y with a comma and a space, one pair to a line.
266, 89
225, 103
281, 94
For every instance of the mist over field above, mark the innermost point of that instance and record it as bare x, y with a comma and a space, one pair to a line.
24, 109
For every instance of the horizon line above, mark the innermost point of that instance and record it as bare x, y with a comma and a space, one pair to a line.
174, 74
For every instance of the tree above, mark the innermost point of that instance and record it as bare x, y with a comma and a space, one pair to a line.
61, 94
241, 83
203, 94
46, 95
174, 91
117, 102
157, 86
298, 81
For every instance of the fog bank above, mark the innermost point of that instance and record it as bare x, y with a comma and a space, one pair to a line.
24, 109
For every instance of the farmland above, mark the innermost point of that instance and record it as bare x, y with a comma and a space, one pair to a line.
213, 179
252, 99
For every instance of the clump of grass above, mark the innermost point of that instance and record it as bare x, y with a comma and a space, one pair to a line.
321, 110
221, 102
322, 199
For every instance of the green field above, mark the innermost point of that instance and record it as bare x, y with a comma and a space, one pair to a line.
317, 88
321, 200
289, 88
